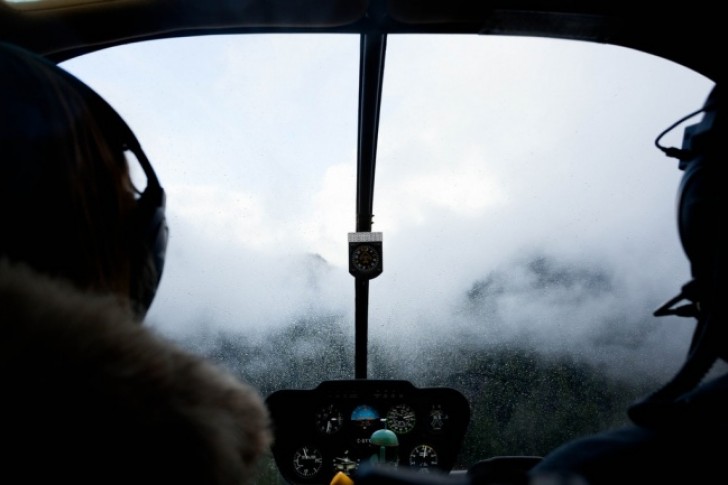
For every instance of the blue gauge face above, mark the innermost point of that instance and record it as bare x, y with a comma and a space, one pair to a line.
365, 417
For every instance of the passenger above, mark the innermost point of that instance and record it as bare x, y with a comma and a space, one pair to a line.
678, 435
90, 396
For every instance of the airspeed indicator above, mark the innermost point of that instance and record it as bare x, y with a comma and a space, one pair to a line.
401, 418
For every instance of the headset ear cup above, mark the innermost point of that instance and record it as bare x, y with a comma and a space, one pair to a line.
702, 220
148, 233
694, 214
698, 211
150, 244
702, 225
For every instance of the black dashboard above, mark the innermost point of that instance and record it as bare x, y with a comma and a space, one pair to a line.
340, 425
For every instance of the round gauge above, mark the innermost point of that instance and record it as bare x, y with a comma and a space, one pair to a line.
423, 456
329, 419
307, 461
401, 419
437, 418
365, 258
345, 464
365, 417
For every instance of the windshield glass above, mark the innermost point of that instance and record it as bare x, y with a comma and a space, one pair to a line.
528, 220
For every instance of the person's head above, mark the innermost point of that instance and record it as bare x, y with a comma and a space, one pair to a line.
92, 398
67, 204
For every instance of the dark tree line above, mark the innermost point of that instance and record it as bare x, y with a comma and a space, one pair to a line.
522, 403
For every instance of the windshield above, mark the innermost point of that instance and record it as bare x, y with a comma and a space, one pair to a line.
528, 220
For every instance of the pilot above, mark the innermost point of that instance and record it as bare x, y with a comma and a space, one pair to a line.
677, 433
89, 394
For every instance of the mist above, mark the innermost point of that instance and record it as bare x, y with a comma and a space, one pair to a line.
522, 201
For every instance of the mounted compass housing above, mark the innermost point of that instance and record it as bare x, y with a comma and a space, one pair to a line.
365, 254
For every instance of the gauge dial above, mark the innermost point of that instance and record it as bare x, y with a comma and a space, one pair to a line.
307, 461
329, 419
423, 456
345, 464
401, 419
365, 258
437, 418
365, 417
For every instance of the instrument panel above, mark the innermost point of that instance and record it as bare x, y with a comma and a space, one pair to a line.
341, 424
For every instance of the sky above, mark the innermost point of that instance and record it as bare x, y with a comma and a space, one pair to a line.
494, 154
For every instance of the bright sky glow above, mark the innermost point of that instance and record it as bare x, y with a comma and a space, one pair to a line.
490, 150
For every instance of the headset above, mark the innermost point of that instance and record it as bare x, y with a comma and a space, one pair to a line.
150, 230
150, 223
702, 222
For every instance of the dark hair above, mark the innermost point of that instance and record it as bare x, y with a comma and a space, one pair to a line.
66, 198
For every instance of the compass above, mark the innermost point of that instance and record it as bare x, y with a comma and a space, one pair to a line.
365, 254
365, 258
307, 461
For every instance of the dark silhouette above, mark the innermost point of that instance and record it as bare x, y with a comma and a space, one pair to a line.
89, 395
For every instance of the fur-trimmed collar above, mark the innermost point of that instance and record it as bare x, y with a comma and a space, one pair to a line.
90, 396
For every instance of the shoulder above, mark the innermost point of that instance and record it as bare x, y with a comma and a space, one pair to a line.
77, 365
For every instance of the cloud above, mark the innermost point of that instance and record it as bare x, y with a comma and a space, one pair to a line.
491, 150
221, 214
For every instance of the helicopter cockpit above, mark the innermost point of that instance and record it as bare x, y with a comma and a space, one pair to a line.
526, 217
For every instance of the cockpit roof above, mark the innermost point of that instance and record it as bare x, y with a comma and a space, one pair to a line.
62, 29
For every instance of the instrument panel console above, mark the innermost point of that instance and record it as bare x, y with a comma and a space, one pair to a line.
341, 424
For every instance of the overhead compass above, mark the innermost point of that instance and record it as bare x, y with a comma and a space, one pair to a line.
365, 254
365, 258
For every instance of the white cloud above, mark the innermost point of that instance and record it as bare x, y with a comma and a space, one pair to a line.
332, 215
464, 188
489, 148
220, 214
